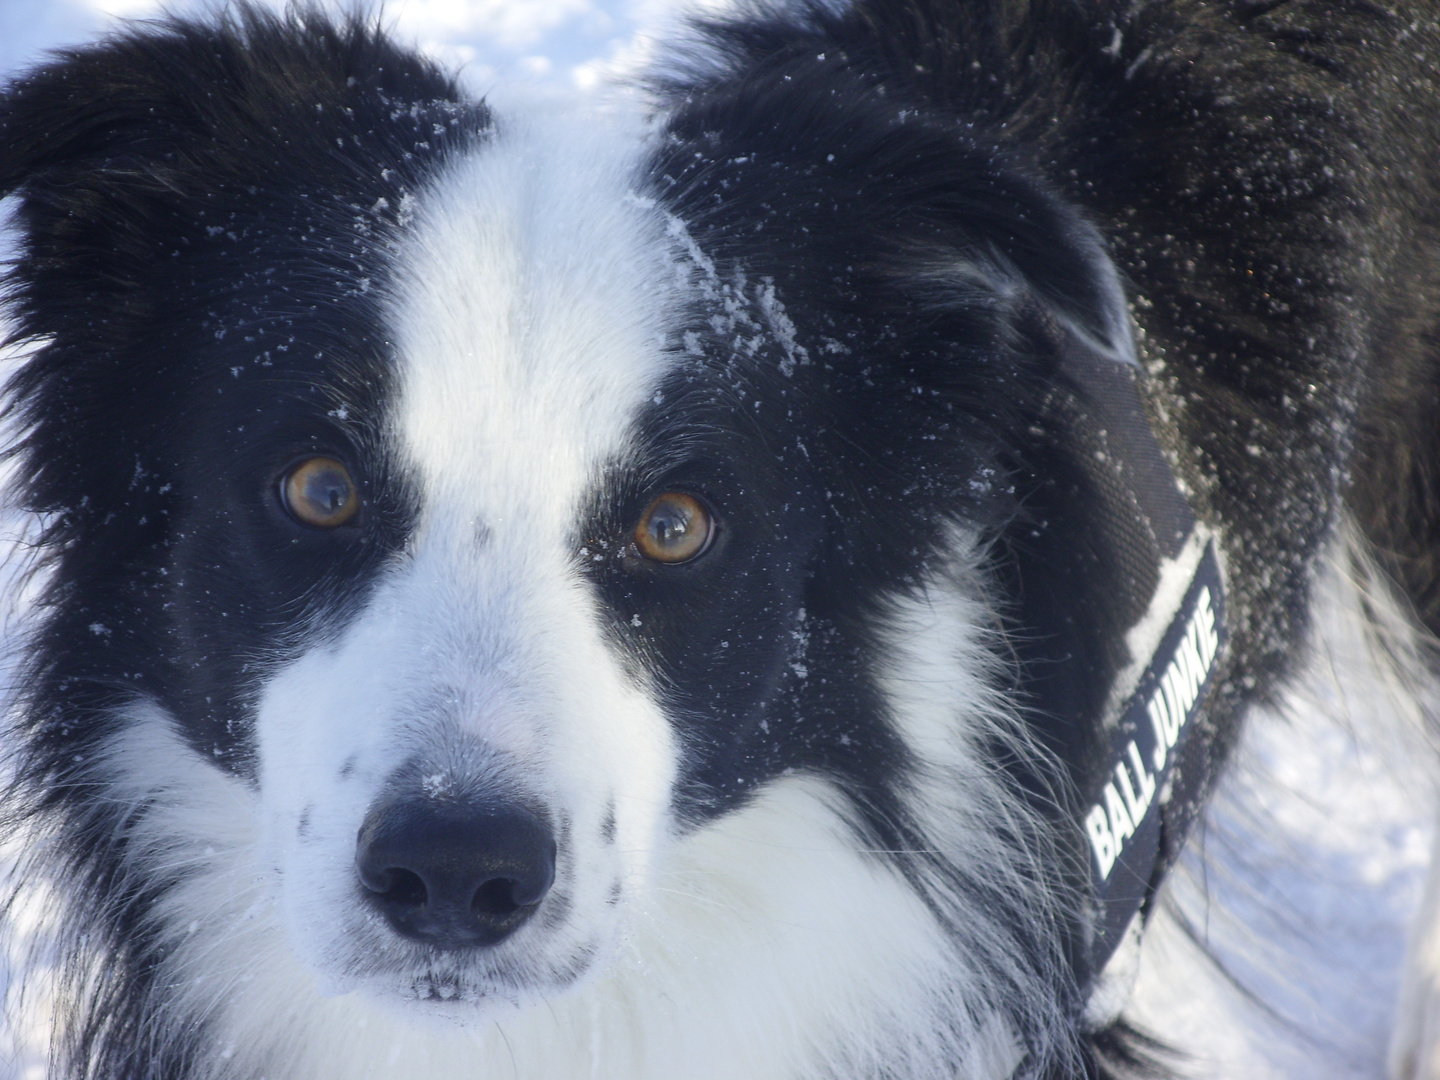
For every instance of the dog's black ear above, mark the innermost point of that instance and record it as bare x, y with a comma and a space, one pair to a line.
901, 164
1049, 259
983, 234
124, 153
94, 145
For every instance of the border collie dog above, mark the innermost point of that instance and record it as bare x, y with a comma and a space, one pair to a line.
752, 579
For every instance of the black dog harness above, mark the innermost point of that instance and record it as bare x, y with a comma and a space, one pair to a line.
1139, 804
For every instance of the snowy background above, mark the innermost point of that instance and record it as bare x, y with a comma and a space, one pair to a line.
1306, 873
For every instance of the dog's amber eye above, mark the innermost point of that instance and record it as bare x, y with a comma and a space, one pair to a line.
319, 492
674, 528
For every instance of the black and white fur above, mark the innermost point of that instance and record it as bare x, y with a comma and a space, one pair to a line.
812, 795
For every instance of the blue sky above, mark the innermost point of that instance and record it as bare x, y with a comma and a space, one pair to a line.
574, 42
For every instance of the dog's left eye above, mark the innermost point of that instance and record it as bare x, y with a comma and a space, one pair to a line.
675, 528
320, 492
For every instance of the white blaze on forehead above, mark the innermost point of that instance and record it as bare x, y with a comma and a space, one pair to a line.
529, 317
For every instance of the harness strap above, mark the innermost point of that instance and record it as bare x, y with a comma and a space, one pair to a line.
1141, 801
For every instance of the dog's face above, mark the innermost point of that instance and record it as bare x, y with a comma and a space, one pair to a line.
504, 502
572, 650
491, 585
464, 779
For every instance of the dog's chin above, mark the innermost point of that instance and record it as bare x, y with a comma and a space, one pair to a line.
441, 998
463, 988
447, 997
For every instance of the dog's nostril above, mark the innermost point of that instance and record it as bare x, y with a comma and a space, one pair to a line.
454, 875
497, 897
396, 885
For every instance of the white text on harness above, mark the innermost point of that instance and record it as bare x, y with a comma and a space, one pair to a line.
1129, 793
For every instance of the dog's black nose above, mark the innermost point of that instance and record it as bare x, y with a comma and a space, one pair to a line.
455, 875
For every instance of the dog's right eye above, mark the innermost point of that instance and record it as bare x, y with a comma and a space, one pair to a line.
675, 528
319, 492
